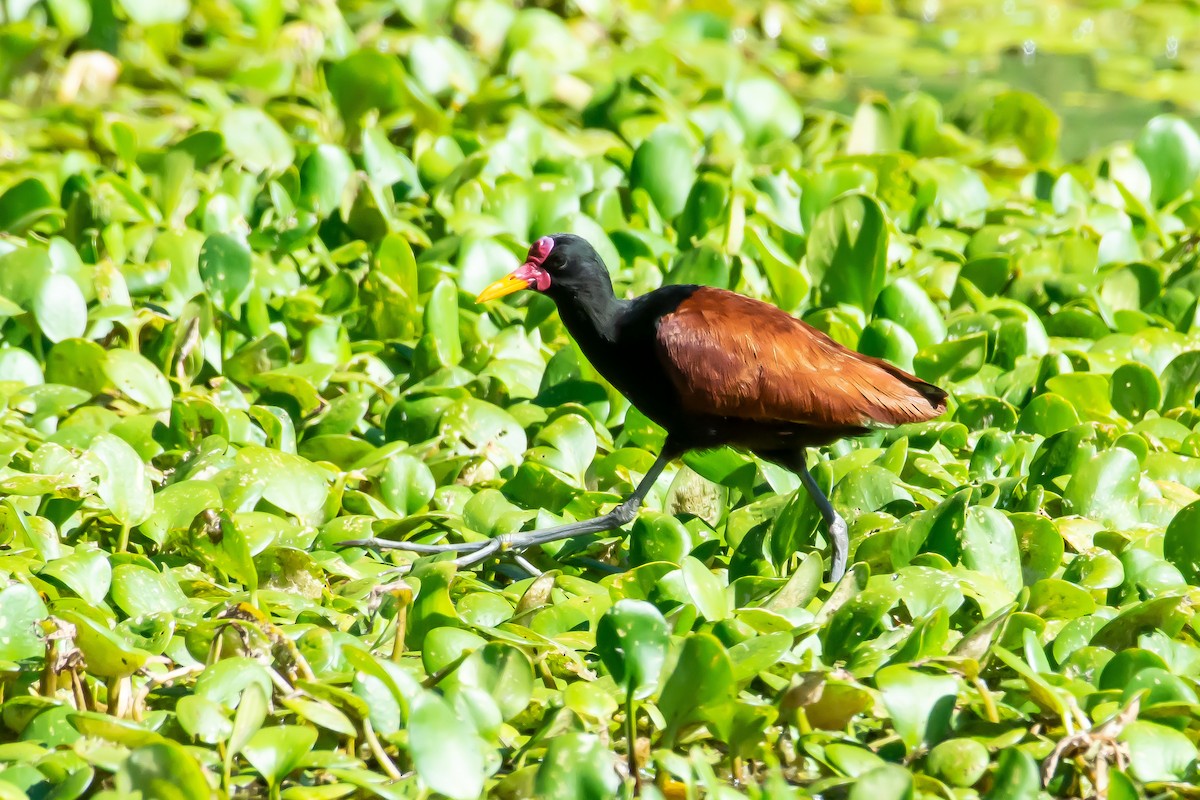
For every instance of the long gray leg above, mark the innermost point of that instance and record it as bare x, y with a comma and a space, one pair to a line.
480, 551
838, 532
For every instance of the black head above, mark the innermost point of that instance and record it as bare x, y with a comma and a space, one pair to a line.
563, 266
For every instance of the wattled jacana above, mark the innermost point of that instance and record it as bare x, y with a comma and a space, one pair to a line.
712, 368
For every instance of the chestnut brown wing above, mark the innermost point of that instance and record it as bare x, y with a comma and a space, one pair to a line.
733, 356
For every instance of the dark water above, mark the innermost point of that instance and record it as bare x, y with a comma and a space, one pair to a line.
1091, 115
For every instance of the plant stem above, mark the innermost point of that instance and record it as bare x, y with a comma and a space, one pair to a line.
123, 541
401, 631
631, 737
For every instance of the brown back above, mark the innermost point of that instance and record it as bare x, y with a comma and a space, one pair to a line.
733, 356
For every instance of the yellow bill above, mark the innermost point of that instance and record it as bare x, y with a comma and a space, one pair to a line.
506, 285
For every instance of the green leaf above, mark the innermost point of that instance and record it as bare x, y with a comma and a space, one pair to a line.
953, 360
202, 719
447, 753
919, 703
888, 782
631, 640
108, 655
1135, 390
138, 591
1181, 547
138, 379
1017, 776
663, 166
577, 766
163, 770
847, 251
251, 713
87, 573
705, 589
365, 80
19, 634
275, 752
1181, 380
958, 762
700, 689
1158, 753
1170, 149
24, 204
1106, 489
124, 486
60, 308
766, 111
1023, 120
256, 140
501, 670
225, 268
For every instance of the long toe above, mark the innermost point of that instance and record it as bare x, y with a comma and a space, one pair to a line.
840, 537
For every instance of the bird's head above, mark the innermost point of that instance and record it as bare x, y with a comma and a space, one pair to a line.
561, 266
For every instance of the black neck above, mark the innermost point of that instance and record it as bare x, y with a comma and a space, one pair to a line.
586, 301
590, 312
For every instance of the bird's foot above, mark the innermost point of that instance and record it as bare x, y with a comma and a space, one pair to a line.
840, 536
474, 552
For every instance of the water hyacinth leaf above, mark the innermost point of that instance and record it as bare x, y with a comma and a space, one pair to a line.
447, 753
705, 590
504, 672
256, 140
657, 537
108, 655
1157, 752
293, 484
248, 719
163, 770
1105, 488
1023, 120
224, 267
631, 639
19, 632
1180, 545
202, 719
1180, 380
919, 703
124, 486
663, 167
406, 484
1170, 149
138, 590
905, 303
366, 80
952, 360
324, 177
60, 308
700, 689
23, 204
1135, 390
958, 762
87, 573
847, 252
989, 545
138, 379
276, 751
1017, 776
887, 782
577, 765
766, 111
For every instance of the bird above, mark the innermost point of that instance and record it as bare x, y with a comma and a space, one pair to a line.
712, 367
